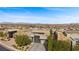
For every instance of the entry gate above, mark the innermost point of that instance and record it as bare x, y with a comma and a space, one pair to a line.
37, 39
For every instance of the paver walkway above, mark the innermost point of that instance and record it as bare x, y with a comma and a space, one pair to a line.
37, 47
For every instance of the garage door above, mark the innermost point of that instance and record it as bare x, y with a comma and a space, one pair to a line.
37, 39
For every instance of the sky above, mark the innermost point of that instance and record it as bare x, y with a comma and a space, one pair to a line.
45, 15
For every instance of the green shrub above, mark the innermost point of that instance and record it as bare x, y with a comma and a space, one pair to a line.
76, 48
61, 46
22, 40
14, 46
2, 34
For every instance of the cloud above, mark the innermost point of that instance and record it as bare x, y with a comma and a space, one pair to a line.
40, 19
29, 17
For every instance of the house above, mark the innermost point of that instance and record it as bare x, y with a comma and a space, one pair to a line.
75, 39
10, 33
39, 36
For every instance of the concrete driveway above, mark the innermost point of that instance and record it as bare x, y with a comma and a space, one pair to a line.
37, 47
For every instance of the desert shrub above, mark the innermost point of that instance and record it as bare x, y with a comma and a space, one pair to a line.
22, 40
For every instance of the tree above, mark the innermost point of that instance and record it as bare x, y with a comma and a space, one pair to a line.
22, 40
55, 36
51, 32
65, 34
50, 41
56, 45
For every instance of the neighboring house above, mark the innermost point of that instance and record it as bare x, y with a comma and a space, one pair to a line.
10, 33
75, 39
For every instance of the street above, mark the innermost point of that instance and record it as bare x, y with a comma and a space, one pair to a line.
3, 48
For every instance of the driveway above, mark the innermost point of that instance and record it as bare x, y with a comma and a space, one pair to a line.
37, 47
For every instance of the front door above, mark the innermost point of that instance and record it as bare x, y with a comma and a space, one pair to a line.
37, 39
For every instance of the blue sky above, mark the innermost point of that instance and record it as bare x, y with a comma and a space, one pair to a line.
52, 15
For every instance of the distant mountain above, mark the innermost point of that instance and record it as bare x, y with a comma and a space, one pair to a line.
36, 23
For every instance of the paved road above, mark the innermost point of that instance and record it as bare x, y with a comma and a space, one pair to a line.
38, 47
3, 48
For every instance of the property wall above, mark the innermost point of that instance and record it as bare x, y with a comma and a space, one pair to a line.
42, 41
